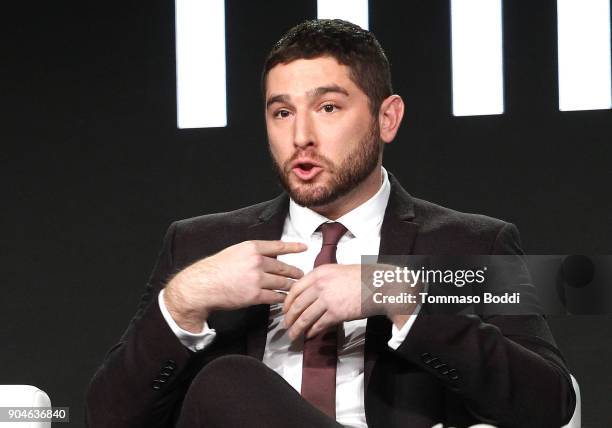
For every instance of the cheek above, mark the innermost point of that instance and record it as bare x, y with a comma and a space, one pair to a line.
278, 146
343, 139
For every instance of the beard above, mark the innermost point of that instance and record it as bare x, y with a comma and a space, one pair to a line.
344, 177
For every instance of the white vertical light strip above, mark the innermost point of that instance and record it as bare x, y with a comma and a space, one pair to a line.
584, 54
200, 63
355, 11
477, 61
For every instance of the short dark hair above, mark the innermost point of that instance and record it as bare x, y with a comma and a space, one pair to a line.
348, 43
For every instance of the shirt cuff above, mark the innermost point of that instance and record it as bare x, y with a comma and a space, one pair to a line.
398, 335
192, 341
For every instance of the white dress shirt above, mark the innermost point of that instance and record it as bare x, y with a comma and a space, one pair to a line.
285, 357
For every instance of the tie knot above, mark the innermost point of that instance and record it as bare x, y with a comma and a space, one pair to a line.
332, 232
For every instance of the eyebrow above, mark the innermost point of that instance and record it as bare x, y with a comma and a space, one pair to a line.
313, 93
282, 98
322, 90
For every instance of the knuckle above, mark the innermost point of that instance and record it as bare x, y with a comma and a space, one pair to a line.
258, 260
324, 269
250, 295
251, 246
289, 270
255, 276
289, 319
296, 307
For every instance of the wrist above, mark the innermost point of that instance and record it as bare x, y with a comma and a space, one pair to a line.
186, 317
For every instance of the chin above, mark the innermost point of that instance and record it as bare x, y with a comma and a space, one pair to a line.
312, 195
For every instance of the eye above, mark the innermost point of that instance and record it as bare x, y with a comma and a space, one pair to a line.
329, 108
281, 114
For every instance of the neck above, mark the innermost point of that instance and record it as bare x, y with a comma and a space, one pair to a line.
346, 203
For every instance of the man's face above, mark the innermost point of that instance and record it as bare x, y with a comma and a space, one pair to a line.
323, 139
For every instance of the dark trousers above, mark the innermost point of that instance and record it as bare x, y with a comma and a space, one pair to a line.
240, 391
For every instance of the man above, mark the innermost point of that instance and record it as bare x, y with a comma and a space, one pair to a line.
236, 327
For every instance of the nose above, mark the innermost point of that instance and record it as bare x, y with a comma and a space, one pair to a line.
303, 132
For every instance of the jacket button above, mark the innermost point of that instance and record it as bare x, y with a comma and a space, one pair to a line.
432, 362
440, 367
171, 364
428, 358
156, 385
452, 374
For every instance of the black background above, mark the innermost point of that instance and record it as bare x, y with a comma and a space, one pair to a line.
94, 168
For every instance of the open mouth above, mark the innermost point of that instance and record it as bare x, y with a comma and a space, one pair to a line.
306, 170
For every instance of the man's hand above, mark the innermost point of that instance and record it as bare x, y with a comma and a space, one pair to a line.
328, 295
242, 275
333, 293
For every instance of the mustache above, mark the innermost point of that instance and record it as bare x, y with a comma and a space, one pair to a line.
310, 155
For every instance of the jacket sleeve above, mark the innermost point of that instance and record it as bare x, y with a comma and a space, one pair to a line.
506, 367
143, 378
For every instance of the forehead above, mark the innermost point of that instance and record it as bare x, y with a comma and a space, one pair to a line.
299, 76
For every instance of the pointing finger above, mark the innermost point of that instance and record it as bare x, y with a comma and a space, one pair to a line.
276, 248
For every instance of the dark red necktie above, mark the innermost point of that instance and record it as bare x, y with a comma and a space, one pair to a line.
321, 351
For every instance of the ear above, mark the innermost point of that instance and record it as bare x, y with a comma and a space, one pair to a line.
390, 117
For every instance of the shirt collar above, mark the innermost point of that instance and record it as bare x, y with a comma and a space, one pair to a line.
359, 221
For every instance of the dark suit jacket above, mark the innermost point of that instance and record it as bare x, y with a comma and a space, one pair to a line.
458, 370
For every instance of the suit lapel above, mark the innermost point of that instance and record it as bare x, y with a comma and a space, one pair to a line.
397, 236
268, 226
